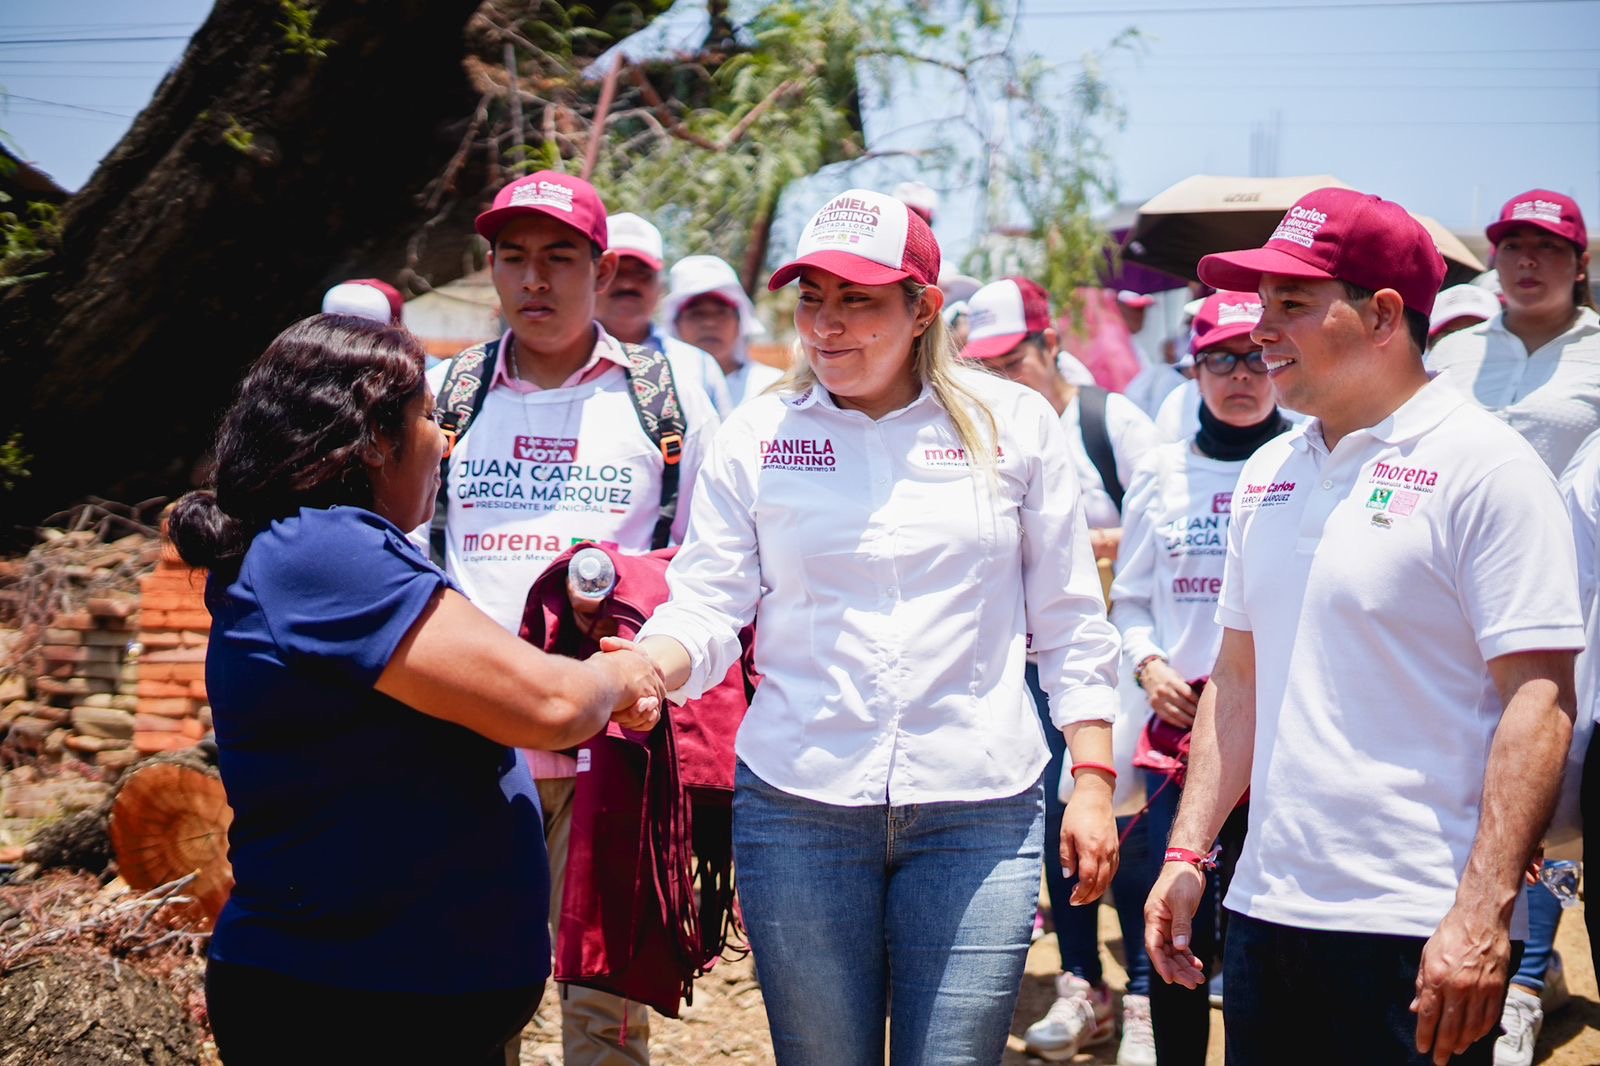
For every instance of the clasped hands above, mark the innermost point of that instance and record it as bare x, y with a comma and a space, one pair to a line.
643, 689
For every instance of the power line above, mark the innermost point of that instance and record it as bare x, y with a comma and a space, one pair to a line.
18, 41
70, 107
86, 62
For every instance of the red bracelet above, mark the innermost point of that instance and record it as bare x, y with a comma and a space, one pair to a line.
1194, 858
1102, 767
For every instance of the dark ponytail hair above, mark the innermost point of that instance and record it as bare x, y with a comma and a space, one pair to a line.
312, 408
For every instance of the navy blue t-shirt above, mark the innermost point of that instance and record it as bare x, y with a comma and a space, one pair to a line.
373, 846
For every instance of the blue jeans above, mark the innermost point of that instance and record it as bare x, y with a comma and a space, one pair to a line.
1544, 915
1346, 995
921, 912
1078, 928
1181, 1017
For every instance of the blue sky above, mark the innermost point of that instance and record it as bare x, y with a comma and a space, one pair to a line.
1448, 107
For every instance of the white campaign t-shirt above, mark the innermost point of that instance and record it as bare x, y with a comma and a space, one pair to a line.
895, 592
537, 472
1377, 582
1551, 396
1131, 435
1169, 571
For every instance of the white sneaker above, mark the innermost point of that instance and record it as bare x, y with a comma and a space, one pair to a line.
1138, 1047
1521, 1019
1080, 1017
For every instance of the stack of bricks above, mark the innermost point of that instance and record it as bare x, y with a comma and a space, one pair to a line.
174, 628
86, 690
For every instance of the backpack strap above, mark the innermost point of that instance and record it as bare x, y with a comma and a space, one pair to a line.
655, 400
1097, 440
460, 398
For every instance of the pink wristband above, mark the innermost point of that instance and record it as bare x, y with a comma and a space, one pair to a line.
1102, 767
1194, 858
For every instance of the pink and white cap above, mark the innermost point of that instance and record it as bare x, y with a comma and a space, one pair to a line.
865, 237
1129, 298
1222, 317
1462, 301
1549, 211
633, 235
1002, 314
561, 196
366, 298
1340, 234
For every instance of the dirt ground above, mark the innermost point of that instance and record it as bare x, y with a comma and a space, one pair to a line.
727, 1023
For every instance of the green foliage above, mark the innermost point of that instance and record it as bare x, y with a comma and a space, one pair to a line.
238, 138
299, 19
13, 462
706, 144
1045, 185
24, 240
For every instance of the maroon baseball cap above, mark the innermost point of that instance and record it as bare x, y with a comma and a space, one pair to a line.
1222, 317
1002, 314
561, 196
865, 237
1341, 235
1549, 211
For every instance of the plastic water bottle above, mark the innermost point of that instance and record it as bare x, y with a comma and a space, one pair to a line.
591, 577
1560, 876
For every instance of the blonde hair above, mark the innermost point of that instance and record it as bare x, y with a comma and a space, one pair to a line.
933, 361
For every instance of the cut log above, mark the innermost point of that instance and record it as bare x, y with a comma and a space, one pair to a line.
170, 818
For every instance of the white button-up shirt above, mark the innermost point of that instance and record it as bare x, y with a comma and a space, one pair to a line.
895, 590
1378, 579
1550, 396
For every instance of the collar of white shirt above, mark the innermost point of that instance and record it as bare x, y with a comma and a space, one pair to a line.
606, 347
817, 396
1586, 323
1423, 411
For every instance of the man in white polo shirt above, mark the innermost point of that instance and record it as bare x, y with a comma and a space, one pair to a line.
555, 454
1395, 680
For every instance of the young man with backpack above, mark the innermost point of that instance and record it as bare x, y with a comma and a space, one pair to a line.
1012, 336
559, 433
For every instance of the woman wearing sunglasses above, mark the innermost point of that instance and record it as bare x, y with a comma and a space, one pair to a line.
1164, 599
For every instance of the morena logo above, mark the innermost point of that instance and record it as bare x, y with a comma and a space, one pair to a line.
1414, 476
1222, 503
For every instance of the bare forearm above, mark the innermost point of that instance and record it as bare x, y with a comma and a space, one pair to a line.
1519, 793
1221, 747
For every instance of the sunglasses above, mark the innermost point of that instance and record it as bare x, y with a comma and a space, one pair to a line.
1224, 362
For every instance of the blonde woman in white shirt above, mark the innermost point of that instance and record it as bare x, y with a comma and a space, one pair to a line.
901, 529
1164, 603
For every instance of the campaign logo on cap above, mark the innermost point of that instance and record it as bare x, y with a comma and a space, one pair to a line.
865, 237
560, 196
632, 235
1344, 235
1002, 315
1549, 211
1222, 317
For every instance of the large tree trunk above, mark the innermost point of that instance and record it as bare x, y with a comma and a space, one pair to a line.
258, 176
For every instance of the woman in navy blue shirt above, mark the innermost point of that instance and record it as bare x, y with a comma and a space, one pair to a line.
391, 882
